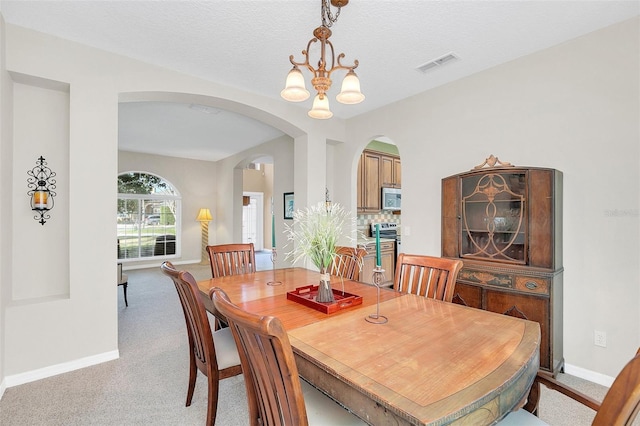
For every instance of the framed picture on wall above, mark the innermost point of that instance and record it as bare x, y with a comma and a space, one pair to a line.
288, 205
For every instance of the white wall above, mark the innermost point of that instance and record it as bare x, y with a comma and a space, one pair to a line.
573, 107
81, 329
6, 170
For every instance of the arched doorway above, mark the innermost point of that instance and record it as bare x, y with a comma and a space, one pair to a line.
379, 200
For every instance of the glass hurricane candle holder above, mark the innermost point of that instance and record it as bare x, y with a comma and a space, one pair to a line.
274, 257
378, 279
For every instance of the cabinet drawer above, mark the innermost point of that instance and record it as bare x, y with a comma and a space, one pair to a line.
384, 246
510, 280
484, 277
532, 285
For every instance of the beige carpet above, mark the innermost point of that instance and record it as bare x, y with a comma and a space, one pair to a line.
148, 384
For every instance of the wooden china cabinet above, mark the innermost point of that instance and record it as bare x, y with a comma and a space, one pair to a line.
505, 223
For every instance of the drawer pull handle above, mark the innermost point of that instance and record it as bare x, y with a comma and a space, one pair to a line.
531, 285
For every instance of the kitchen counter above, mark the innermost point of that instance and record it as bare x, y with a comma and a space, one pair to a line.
371, 242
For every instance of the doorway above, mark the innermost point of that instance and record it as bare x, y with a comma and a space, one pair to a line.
252, 219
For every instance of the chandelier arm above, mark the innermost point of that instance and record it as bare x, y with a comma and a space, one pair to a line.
345, 67
333, 58
306, 63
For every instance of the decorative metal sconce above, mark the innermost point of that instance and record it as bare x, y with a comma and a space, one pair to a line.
41, 185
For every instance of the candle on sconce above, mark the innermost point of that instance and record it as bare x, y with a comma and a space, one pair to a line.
378, 255
40, 199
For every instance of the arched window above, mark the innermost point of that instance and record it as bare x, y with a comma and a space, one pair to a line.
148, 217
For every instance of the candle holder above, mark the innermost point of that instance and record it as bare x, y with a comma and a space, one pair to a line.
41, 185
274, 256
378, 279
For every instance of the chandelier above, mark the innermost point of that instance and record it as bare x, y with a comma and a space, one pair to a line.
295, 90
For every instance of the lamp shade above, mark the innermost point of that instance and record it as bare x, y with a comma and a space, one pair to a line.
204, 215
320, 108
350, 91
295, 90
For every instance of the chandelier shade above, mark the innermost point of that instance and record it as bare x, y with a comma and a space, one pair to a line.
350, 93
295, 89
320, 108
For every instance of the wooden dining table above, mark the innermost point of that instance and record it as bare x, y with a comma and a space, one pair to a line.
431, 363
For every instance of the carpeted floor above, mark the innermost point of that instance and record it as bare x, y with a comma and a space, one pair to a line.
148, 384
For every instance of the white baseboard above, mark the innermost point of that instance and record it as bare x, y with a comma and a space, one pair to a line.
3, 387
132, 266
54, 370
592, 376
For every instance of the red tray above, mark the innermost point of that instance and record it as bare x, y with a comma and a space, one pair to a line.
307, 296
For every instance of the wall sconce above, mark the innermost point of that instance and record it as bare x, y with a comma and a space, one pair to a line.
204, 217
41, 185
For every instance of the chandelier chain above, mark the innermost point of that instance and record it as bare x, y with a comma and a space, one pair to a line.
328, 19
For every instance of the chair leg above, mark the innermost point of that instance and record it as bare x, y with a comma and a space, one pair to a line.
193, 375
125, 294
212, 406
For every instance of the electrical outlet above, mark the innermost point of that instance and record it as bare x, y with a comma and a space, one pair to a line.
600, 338
406, 230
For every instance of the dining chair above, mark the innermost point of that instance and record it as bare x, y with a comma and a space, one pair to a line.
123, 280
619, 407
214, 354
231, 259
275, 393
347, 262
433, 277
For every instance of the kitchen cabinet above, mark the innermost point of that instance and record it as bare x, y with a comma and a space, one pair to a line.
376, 170
387, 257
370, 181
505, 223
391, 171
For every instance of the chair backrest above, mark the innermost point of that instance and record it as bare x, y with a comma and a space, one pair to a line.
195, 316
231, 259
433, 277
621, 404
347, 262
271, 377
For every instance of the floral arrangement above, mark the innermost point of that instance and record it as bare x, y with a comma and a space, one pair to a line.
314, 234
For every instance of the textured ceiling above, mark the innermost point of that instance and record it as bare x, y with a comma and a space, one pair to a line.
246, 44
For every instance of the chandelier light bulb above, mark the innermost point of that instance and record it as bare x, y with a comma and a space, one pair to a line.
320, 108
295, 90
350, 92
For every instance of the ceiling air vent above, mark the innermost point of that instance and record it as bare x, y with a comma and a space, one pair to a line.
443, 60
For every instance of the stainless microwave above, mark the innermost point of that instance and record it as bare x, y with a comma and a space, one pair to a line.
391, 198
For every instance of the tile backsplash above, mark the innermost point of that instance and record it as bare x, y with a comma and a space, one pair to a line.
366, 219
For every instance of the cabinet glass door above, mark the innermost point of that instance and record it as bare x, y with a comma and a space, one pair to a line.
494, 217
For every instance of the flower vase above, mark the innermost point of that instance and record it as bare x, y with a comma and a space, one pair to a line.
325, 293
